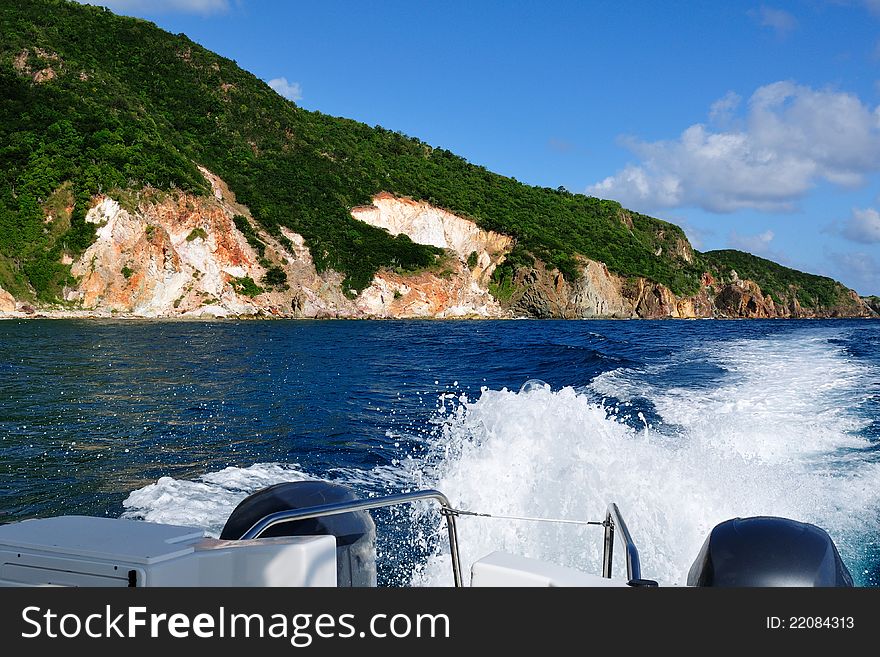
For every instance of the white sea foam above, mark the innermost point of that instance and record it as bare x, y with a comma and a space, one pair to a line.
763, 441
780, 398
759, 443
207, 501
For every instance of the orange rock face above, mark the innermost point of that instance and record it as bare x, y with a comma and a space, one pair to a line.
182, 255
7, 302
179, 255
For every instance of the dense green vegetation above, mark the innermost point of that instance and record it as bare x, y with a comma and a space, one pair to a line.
274, 277
246, 286
127, 105
245, 228
93, 103
197, 234
781, 283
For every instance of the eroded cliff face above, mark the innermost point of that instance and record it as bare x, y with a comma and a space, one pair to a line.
744, 298
598, 293
425, 224
459, 289
177, 255
7, 302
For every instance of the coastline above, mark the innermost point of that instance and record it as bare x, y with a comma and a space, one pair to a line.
127, 317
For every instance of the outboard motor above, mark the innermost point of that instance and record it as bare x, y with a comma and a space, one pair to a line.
355, 531
768, 551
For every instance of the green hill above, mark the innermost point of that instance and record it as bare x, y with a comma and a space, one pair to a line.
93, 102
781, 283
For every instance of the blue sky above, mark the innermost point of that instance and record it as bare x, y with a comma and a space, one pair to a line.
754, 126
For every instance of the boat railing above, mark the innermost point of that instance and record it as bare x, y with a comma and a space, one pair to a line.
292, 515
613, 525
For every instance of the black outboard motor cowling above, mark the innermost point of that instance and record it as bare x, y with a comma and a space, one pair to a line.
768, 551
355, 531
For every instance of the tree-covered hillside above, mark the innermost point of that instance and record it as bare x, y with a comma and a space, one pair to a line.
781, 283
91, 102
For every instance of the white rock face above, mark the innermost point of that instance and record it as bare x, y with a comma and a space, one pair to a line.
105, 211
300, 252
462, 292
426, 295
218, 187
208, 312
425, 224
179, 255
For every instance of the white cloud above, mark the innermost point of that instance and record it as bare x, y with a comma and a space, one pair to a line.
863, 226
290, 90
859, 270
722, 109
792, 137
162, 6
778, 20
757, 244
697, 235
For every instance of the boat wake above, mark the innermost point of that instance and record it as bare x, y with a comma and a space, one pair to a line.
747, 427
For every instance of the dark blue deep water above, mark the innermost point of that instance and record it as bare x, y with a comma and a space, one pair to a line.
683, 424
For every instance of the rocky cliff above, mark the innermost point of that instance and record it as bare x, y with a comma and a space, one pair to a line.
7, 302
600, 293
873, 302
162, 254
179, 255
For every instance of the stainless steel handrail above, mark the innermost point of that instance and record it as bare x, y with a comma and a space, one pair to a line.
614, 523
292, 515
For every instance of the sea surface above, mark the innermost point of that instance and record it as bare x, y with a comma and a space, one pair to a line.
683, 424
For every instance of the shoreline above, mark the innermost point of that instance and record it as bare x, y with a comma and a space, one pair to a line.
84, 315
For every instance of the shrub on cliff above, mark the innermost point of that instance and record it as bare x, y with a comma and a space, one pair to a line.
246, 286
274, 277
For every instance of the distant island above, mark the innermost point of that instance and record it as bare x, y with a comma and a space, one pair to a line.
142, 175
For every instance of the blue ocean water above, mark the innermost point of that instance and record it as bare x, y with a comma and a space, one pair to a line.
683, 424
